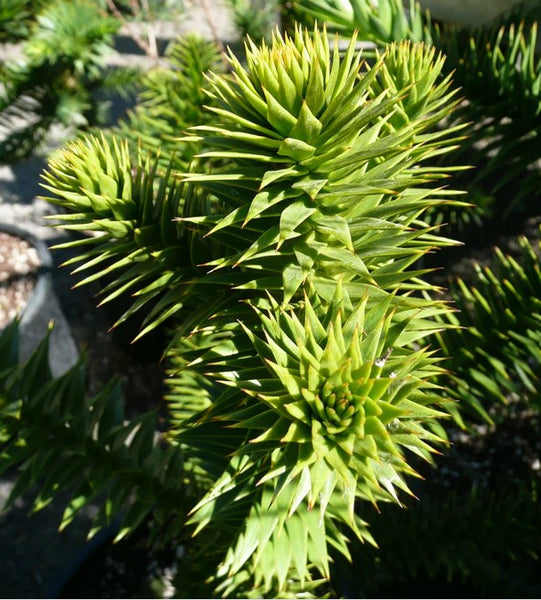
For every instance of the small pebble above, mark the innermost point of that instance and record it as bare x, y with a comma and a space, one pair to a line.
19, 262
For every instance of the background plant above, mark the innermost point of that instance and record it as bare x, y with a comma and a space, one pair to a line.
256, 20
171, 100
139, 19
56, 79
16, 18
494, 355
442, 554
89, 442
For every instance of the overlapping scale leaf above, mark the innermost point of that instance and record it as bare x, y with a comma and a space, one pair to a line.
135, 246
333, 399
312, 148
344, 379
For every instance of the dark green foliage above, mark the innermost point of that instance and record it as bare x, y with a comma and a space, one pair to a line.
171, 101
62, 63
479, 544
494, 354
474, 530
16, 18
64, 440
499, 71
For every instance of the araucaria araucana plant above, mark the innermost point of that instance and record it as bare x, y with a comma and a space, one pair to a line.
56, 78
171, 101
282, 262
495, 349
498, 69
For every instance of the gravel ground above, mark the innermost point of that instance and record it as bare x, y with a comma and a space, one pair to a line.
19, 264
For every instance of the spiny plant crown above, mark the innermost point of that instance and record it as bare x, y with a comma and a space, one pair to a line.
283, 259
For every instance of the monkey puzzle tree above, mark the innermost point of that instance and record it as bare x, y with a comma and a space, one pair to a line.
282, 261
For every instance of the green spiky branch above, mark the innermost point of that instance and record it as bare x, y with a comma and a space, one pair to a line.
497, 68
283, 260
495, 354
323, 163
131, 215
326, 420
63, 61
321, 451
64, 441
